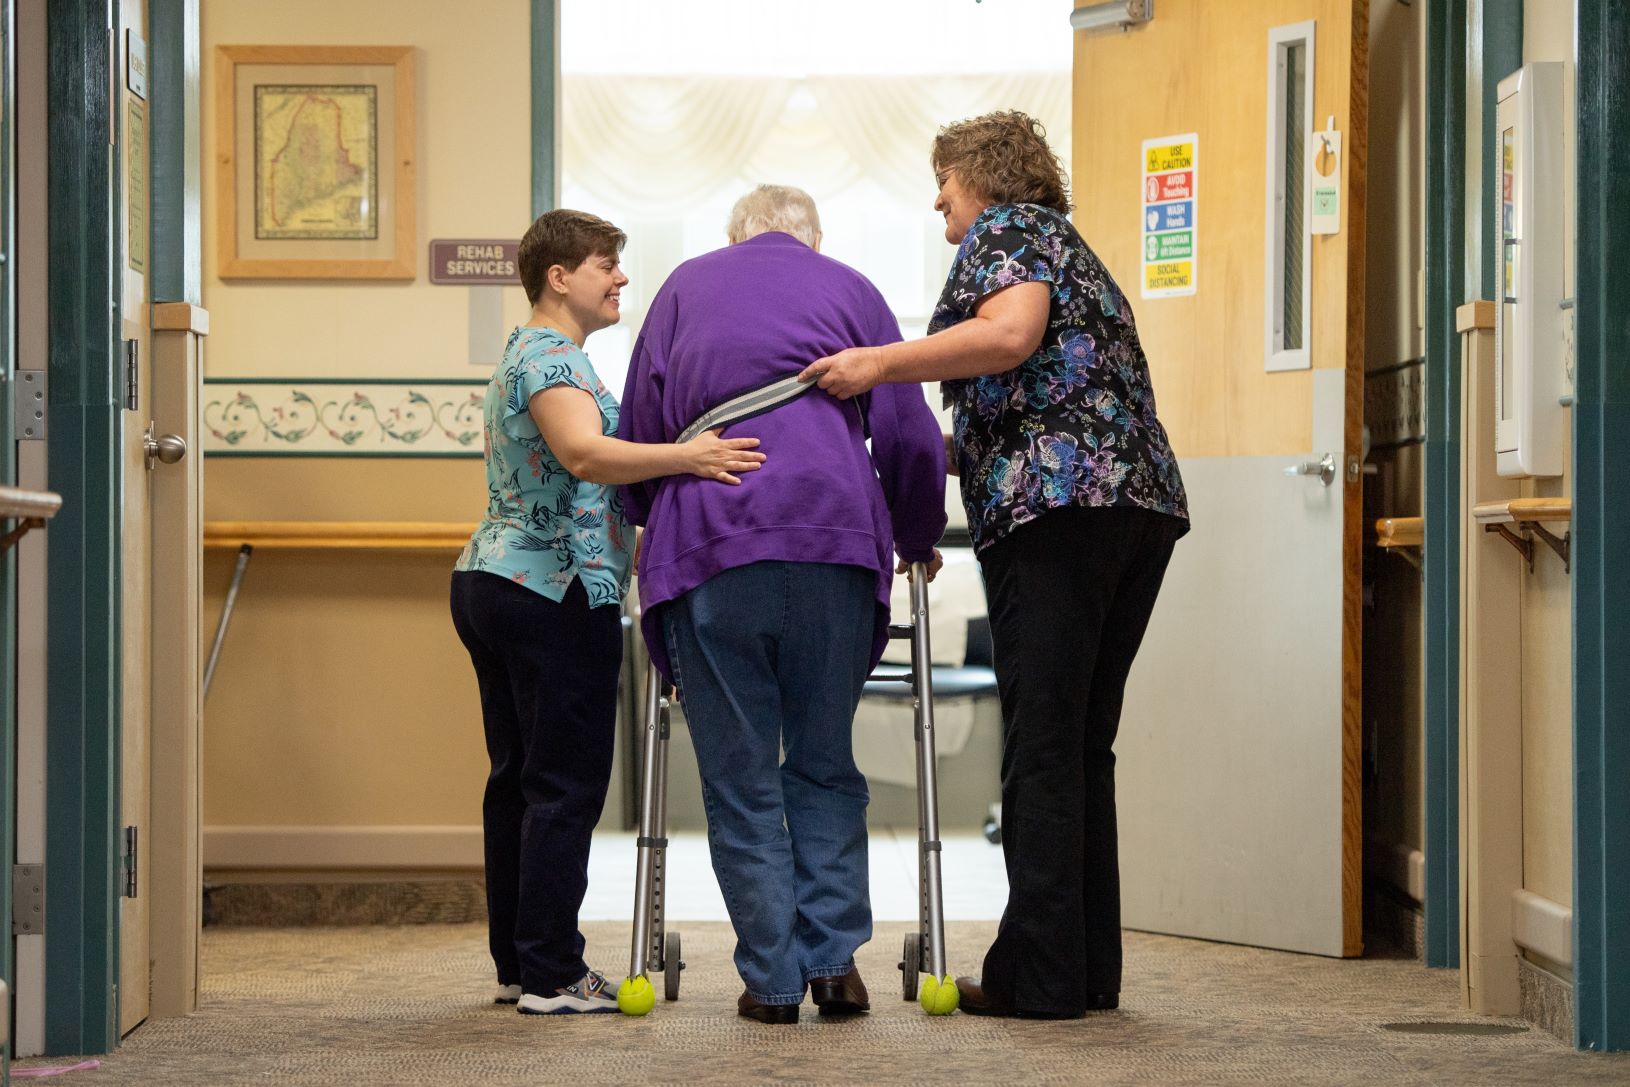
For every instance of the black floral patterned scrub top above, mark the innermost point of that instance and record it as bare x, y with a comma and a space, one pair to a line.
1072, 425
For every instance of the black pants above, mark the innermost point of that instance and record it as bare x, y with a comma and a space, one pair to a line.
548, 678
1070, 597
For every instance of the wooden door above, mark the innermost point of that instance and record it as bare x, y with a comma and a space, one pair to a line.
130, 279
1239, 774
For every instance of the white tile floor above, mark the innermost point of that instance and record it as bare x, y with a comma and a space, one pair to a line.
975, 883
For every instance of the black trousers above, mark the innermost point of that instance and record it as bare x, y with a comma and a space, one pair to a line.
548, 678
1070, 597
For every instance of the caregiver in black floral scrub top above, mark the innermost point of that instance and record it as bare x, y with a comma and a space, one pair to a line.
1074, 501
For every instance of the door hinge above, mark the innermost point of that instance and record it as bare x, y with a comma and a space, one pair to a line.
132, 374
28, 405
27, 899
130, 862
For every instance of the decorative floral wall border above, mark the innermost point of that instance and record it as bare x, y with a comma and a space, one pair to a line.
329, 417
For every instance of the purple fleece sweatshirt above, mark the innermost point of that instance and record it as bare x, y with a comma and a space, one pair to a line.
733, 320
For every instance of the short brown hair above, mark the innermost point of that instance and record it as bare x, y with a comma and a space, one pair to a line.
1004, 157
567, 238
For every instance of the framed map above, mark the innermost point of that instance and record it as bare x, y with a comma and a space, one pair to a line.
315, 169
316, 161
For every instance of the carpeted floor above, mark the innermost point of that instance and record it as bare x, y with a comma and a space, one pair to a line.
408, 1005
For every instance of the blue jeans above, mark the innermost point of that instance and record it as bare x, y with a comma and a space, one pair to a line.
767, 657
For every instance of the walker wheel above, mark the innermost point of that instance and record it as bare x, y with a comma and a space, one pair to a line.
993, 831
910, 963
672, 964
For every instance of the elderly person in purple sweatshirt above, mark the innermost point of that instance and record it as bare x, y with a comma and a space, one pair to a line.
768, 603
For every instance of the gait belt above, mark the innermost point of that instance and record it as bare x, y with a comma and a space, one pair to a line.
748, 404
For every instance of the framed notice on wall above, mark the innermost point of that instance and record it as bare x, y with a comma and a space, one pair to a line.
315, 162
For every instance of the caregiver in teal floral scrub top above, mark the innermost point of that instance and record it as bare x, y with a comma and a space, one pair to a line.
1074, 502
536, 600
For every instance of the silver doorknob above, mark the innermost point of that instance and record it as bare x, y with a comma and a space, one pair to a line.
167, 448
1324, 469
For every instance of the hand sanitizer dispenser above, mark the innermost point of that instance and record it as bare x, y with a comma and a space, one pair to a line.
1528, 251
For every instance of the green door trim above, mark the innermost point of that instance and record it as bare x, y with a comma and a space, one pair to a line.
176, 274
1445, 290
545, 105
1601, 532
82, 433
1500, 48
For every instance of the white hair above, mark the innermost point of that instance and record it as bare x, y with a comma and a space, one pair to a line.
775, 207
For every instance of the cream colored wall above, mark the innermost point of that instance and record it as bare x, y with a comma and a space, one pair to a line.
474, 156
343, 697
1394, 710
1547, 608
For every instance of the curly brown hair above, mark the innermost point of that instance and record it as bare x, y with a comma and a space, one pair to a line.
1004, 157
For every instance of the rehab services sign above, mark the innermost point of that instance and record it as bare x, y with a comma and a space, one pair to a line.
1171, 197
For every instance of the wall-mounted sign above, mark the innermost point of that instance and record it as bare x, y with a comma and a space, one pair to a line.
1171, 197
136, 63
473, 262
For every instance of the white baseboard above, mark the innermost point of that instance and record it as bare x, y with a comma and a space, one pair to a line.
343, 847
1542, 926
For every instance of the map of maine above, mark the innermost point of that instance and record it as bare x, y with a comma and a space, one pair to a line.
315, 155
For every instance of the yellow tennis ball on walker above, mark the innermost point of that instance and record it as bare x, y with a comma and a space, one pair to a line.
635, 996
938, 996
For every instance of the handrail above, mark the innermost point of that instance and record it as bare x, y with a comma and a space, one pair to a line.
1531, 514
16, 502
31, 509
1523, 511
339, 535
1393, 532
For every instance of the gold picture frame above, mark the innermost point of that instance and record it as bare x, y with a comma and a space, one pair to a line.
315, 162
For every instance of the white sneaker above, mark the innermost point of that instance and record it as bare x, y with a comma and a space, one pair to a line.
591, 994
507, 994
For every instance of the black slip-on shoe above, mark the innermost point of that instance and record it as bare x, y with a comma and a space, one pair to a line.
841, 994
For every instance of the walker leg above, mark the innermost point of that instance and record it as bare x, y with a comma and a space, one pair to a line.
938, 994
636, 996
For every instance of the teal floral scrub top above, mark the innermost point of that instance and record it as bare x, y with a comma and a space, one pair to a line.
544, 526
1072, 425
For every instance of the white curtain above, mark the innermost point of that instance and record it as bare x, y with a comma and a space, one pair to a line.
651, 145
665, 156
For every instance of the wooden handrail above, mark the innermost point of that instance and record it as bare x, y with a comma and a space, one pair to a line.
340, 535
16, 502
1532, 515
1400, 532
1523, 511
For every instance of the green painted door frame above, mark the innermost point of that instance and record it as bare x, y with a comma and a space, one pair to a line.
545, 105
1601, 532
1445, 290
82, 434
176, 272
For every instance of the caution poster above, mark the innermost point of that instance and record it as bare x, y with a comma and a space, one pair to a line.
1171, 197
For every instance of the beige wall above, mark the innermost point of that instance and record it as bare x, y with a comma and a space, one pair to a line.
1547, 608
474, 156
343, 697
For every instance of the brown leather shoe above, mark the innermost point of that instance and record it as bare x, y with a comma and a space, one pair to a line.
841, 994
973, 1000
749, 1008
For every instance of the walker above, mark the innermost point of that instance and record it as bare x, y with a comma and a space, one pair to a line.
656, 950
